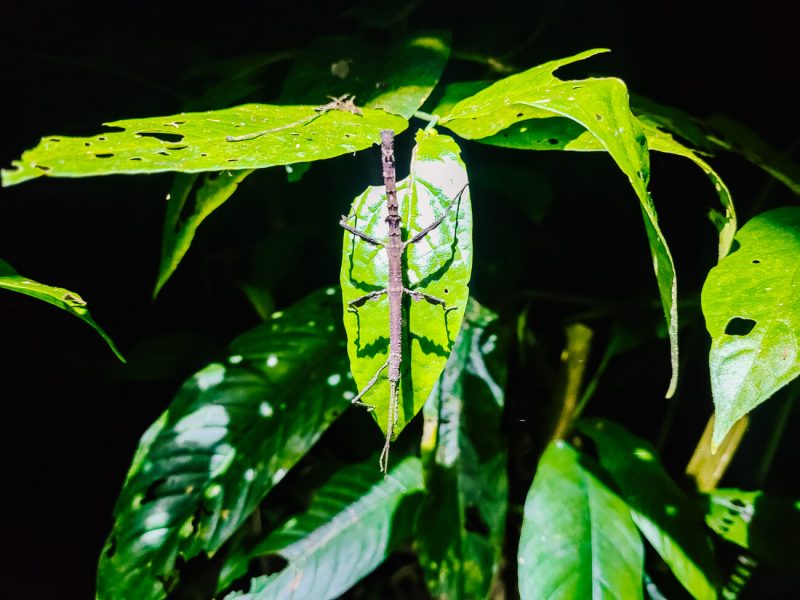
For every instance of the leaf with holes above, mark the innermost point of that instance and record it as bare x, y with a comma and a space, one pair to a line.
354, 522
57, 296
396, 78
459, 532
439, 265
232, 432
751, 303
765, 524
669, 520
599, 105
578, 539
194, 142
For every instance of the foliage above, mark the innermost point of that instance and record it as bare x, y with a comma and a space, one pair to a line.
243, 472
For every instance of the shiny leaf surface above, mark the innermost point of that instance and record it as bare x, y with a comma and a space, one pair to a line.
461, 524
669, 520
354, 522
439, 265
57, 296
751, 303
578, 539
194, 142
232, 433
599, 105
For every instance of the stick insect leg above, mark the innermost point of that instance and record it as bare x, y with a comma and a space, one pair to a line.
370, 383
362, 300
358, 233
383, 461
437, 222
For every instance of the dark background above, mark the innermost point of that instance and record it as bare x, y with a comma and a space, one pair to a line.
72, 417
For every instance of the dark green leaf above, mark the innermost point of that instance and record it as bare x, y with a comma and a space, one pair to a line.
194, 142
461, 523
578, 539
396, 78
57, 296
599, 105
767, 525
751, 303
231, 434
354, 522
439, 265
669, 520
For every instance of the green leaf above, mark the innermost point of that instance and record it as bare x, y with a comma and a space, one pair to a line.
396, 78
669, 520
354, 522
439, 265
57, 296
460, 527
232, 433
766, 525
601, 106
751, 303
194, 142
181, 221
578, 539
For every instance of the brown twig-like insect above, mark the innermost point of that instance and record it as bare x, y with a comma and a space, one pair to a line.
395, 247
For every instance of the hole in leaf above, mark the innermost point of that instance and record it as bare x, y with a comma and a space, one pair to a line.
520, 115
203, 154
505, 135
162, 153
598, 116
87, 144
576, 87
177, 147
102, 138
233, 160
474, 521
446, 291
55, 139
552, 141
727, 520
738, 502
737, 326
172, 138
42, 167
756, 261
135, 158
107, 155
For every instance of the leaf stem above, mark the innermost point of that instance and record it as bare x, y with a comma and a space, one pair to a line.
431, 119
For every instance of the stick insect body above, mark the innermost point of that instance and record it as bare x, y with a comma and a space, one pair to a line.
395, 247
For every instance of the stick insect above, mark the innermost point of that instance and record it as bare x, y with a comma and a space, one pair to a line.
395, 247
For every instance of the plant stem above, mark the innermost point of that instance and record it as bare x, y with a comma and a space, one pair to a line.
431, 119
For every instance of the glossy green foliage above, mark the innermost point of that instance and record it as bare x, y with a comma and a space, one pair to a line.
578, 539
766, 525
396, 78
461, 524
439, 264
354, 522
670, 521
599, 105
751, 303
232, 433
202, 194
57, 296
194, 142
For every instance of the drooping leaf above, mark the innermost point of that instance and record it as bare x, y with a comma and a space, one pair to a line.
396, 78
194, 142
179, 227
354, 523
670, 521
57, 296
231, 434
578, 539
460, 527
601, 106
766, 525
438, 265
751, 303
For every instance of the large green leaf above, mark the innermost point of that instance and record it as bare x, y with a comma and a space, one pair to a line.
461, 524
396, 78
57, 296
767, 525
601, 106
231, 434
751, 303
578, 539
194, 142
439, 265
354, 522
669, 520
